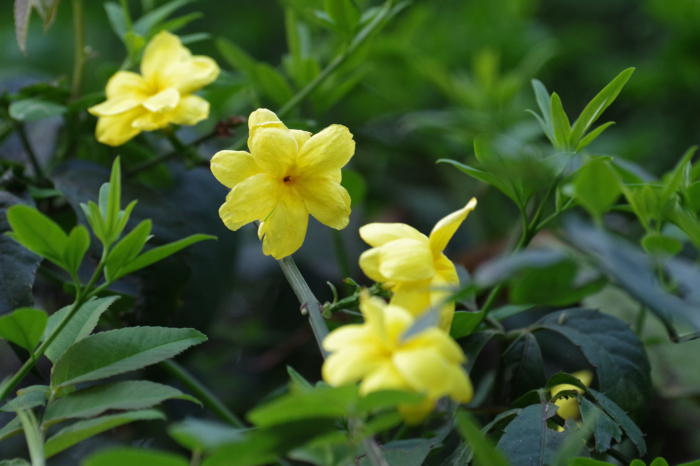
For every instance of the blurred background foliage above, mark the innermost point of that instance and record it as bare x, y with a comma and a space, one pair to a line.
439, 74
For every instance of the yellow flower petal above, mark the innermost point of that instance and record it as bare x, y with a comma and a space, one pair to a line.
274, 148
446, 228
193, 74
346, 336
406, 260
118, 129
372, 309
228, 219
164, 101
162, 52
338, 177
231, 167
326, 152
412, 296
114, 106
369, 263
151, 121
191, 110
253, 198
461, 389
260, 116
396, 321
300, 136
326, 200
350, 365
126, 83
378, 234
286, 227
384, 377
568, 407
425, 371
585, 376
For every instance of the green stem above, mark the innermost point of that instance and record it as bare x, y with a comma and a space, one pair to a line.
309, 303
374, 454
202, 393
145, 165
360, 39
79, 35
21, 131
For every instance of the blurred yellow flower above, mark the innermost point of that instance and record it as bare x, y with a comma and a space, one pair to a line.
412, 265
376, 353
569, 407
287, 175
159, 96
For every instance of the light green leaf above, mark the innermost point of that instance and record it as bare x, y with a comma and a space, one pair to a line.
117, 19
123, 456
598, 105
156, 254
127, 249
591, 462
24, 327
543, 101
145, 24
77, 245
38, 233
35, 109
273, 84
583, 143
464, 323
299, 383
93, 401
25, 401
96, 220
118, 351
560, 123
658, 244
678, 179
484, 450
14, 462
81, 430
344, 13
237, 57
114, 199
80, 326
692, 197
197, 434
597, 187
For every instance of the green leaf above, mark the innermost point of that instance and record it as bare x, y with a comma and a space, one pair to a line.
485, 177
692, 197
127, 249
95, 219
605, 429
324, 403
145, 24
11, 429
14, 462
484, 451
117, 19
592, 136
134, 45
628, 426
545, 127
114, 199
23, 11
524, 358
598, 105
527, 441
562, 378
124, 396
206, 436
560, 123
678, 179
237, 57
554, 285
124, 216
262, 446
273, 84
597, 187
80, 326
464, 323
299, 383
156, 254
612, 348
592, 462
122, 456
659, 244
24, 327
77, 245
543, 101
178, 23
81, 430
356, 186
659, 462
344, 13
383, 399
687, 222
118, 351
25, 401
38, 233
34, 109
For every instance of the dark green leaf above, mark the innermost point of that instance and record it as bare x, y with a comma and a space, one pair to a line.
484, 451
123, 456
613, 349
562, 378
628, 426
464, 323
11, 429
115, 352
117, 19
555, 285
237, 57
197, 434
24, 327
605, 429
597, 187
506, 267
38, 233
124, 396
80, 326
156, 254
273, 84
81, 430
35, 109
344, 13
473, 344
524, 360
25, 401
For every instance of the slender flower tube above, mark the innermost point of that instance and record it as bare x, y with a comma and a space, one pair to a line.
569, 407
412, 265
376, 353
161, 95
287, 175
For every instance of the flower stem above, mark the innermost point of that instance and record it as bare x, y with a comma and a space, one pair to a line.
21, 131
79, 35
309, 303
202, 393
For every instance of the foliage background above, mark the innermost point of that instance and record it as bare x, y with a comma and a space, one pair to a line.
426, 90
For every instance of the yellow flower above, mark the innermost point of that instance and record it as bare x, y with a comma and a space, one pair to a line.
428, 362
412, 265
287, 175
569, 407
159, 96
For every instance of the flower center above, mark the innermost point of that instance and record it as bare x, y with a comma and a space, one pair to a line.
286, 178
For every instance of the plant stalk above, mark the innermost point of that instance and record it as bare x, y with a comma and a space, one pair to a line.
79, 37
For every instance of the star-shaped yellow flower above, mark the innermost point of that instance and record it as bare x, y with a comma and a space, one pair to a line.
159, 96
378, 354
287, 175
412, 265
